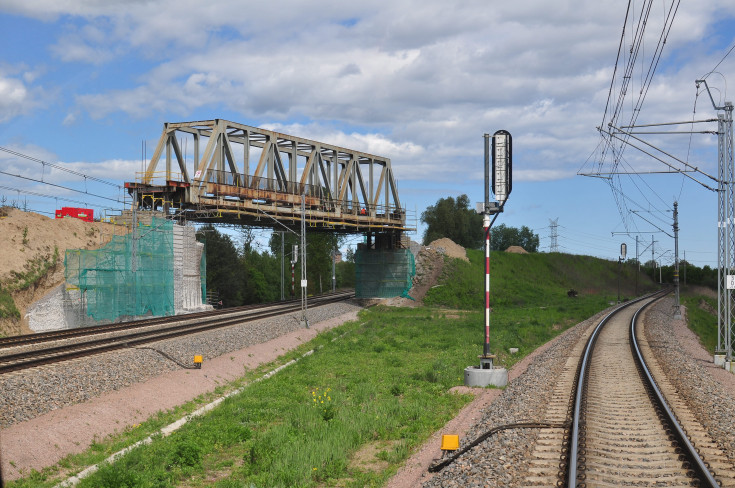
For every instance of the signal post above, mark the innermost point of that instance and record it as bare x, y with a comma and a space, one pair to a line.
488, 373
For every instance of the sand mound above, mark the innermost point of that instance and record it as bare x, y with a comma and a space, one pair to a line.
516, 250
27, 237
449, 248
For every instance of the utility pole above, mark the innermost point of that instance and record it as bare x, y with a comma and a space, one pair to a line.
677, 310
621, 258
281, 233
304, 283
653, 260
638, 262
334, 266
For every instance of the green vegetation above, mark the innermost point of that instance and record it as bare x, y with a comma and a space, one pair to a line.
36, 269
502, 237
7, 305
240, 274
384, 382
702, 318
520, 281
453, 219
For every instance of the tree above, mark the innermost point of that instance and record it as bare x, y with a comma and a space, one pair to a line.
455, 220
502, 237
222, 265
319, 249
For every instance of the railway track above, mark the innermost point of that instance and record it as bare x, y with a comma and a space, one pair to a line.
23, 352
628, 427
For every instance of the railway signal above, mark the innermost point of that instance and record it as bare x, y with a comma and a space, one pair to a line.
502, 155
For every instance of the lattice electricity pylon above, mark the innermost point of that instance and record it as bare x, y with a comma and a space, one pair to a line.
554, 244
245, 175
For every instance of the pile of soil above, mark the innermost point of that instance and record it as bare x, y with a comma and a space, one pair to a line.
26, 237
429, 267
449, 248
516, 250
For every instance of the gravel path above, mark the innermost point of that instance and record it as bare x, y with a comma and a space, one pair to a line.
61, 409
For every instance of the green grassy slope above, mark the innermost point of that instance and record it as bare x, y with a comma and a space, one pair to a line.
533, 280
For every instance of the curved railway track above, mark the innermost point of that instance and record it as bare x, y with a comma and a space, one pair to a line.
23, 352
627, 425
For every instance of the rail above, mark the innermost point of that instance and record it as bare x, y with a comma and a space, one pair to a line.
132, 334
573, 474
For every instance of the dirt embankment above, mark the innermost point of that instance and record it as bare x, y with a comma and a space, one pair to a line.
429, 267
32, 243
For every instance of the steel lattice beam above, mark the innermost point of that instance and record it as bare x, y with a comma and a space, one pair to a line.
244, 172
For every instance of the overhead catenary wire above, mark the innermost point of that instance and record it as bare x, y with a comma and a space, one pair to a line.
60, 168
85, 192
613, 144
53, 197
718, 64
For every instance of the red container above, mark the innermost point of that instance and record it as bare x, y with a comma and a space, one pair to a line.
85, 214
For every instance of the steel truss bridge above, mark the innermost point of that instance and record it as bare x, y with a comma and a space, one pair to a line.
251, 176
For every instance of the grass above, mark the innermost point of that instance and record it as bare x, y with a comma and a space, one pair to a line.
532, 280
7, 305
384, 382
702, 318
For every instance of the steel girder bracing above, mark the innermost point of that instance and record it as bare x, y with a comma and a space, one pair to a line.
248, 175
725, 233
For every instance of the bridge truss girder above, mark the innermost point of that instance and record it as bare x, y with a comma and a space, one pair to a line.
245, 174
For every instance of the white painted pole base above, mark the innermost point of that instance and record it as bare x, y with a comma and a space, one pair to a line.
476, 376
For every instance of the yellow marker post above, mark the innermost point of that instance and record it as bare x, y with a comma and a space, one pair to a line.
198, 362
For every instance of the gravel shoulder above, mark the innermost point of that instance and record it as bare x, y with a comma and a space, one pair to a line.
75, 412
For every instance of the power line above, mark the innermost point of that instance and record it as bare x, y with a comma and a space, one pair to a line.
44, 195
60, 168
61, 186
718, 64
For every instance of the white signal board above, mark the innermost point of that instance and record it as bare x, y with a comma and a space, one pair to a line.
501, 165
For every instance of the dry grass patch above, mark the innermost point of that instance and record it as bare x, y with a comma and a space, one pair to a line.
368, 458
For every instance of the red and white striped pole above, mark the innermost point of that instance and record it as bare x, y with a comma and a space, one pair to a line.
486, 226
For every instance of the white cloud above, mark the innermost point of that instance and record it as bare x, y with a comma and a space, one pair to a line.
15, 98
419, 82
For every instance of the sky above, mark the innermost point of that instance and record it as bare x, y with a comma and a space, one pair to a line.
85, 84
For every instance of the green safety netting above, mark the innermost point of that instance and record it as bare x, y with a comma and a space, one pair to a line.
109, 285
383, 273
203, 275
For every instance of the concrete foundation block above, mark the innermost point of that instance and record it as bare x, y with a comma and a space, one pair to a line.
475, 376
719, 360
